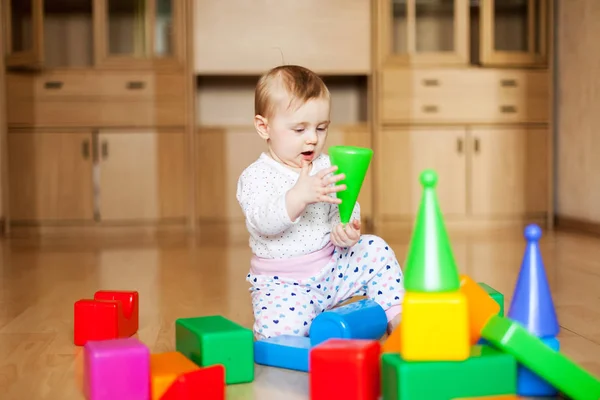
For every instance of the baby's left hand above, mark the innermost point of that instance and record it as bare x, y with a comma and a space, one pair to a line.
346, 236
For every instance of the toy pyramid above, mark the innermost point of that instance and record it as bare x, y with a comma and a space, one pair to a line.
435, 315
533, 308
354, 162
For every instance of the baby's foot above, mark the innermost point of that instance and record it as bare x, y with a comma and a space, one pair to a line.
393, 324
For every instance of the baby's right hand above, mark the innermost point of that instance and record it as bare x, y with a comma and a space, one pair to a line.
316, 188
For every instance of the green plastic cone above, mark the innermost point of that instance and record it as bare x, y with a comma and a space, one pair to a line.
430, 264
353, 162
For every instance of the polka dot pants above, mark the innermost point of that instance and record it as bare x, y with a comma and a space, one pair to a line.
285, 306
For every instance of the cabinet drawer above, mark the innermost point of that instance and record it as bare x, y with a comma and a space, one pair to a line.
464, 95
95, 84
90, 113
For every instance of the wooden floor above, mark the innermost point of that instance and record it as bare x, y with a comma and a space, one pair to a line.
178, 277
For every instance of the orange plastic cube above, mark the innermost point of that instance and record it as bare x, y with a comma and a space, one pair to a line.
165, 368
481, 306
392, 343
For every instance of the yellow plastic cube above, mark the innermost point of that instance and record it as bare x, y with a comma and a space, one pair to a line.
435, 327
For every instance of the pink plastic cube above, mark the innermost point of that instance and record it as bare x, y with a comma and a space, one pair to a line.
117, 369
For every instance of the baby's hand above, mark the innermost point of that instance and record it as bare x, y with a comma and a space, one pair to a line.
316, 188
346, 235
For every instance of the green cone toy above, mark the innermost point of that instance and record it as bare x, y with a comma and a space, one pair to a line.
430, 264
353, 162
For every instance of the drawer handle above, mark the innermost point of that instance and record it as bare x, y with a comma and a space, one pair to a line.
135, 85
430, 109
85, 149
431, 82
508, 83
53, 85
508, 109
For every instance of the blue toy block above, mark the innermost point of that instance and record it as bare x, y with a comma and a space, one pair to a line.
529, 383
285, 351
363, 319
532, 304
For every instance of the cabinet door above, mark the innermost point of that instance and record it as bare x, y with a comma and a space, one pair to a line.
509, 171
50, 177
402, 155
139, 33
142, 176
423, 31
24, 25
514, 32
356, 135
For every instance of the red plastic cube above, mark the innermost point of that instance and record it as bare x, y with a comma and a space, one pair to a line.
110, 315
346, 369
205, 383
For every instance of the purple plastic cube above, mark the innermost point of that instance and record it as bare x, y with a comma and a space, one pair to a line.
117, 369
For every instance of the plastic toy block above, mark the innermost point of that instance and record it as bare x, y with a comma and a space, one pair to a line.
353, 162
501, 397
286, 351
480, 306
348, 322
117, 369
532, 304
212, 340
165, 368
435, 326
204, 383
494, 294
530, 351
104, 317
487, 371
346, 369
430, 264
529, 384
393, 343
130, 304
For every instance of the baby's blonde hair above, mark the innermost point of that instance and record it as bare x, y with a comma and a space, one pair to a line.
299, 83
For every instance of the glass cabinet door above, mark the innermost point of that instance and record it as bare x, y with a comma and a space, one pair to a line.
514, 32
138, 32
23, 33
425, 31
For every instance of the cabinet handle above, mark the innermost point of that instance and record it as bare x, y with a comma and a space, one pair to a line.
53, 85
104, 150
135, 85
508, 109
85, 149
508, 83
459, 145
430, 82
476, 145
430, 109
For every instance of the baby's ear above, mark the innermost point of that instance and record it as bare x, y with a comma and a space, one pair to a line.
262, 126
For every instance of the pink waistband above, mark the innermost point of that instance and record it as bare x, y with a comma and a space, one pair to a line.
296, 267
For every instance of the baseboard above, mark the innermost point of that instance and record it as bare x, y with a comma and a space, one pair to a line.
577, 225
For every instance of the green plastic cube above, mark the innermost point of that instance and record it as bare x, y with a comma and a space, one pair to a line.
487, 371
214, 340
496, 295
551, 365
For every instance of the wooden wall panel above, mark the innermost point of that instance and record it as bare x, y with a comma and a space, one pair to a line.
578, 141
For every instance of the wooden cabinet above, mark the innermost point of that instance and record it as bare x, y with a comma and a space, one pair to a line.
331, 37
51, 177
484, 172
452, 32
138, 34
96, 177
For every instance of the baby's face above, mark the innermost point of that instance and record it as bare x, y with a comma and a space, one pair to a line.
298, 133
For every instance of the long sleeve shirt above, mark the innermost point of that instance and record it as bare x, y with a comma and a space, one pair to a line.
261, 193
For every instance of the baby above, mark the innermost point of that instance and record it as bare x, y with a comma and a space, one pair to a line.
305, 261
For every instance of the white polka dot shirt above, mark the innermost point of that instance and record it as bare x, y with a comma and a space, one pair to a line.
261, 193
